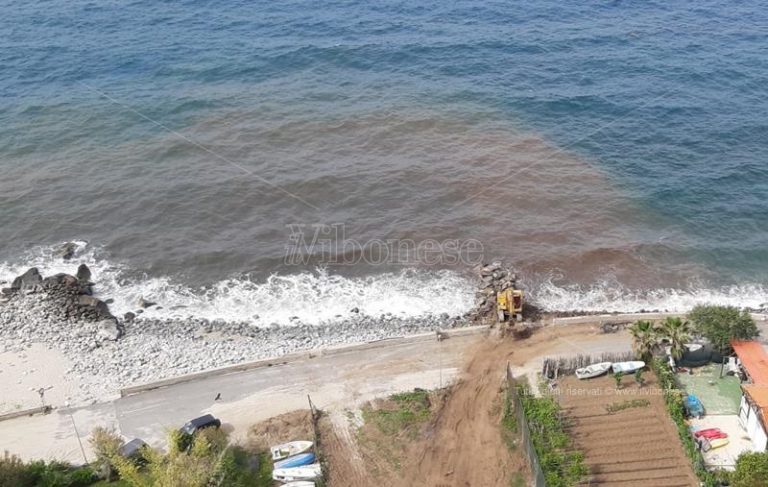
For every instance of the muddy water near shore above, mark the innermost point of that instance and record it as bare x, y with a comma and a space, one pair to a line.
616, 159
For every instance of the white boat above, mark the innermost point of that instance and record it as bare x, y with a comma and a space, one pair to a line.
593, 370
299, 483
627, 367
308, 472
290, 449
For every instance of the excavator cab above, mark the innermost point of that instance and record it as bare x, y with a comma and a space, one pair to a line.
509, 305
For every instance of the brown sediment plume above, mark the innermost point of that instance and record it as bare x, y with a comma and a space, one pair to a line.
417, 174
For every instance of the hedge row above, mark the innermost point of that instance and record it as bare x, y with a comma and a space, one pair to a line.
562, 464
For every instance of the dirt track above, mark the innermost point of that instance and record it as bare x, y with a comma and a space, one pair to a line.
463, 444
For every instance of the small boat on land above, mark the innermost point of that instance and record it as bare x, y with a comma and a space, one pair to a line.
716, 443
290, 449
308, 472
710, 433
296, 461
299, 483
627, 367
593, 370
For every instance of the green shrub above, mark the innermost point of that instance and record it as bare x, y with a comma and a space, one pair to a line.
13, 471
412, 409
620, 406
720, 324
751, 470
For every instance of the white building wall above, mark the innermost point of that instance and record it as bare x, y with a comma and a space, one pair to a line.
755, 430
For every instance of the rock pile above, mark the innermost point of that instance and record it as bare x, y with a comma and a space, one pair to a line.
494, 278
62, 296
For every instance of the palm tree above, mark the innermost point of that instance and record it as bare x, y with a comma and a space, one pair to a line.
677, 332
645, 339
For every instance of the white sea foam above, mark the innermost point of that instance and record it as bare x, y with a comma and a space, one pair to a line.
610, 295
322, 296
312, 297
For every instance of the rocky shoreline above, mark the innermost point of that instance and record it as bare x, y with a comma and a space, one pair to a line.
108, 352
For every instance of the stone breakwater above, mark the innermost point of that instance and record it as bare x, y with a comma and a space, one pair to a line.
108, 352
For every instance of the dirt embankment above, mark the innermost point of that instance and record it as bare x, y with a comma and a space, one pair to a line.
459, 445
464, 445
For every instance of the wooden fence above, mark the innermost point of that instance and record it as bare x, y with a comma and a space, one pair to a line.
559, 366
315, 414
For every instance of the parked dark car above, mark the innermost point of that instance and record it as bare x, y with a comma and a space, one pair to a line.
132, 448
205, 421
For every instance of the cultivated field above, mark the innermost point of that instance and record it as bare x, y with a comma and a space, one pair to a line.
636, 445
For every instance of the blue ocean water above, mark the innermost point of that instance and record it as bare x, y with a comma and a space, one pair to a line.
128, 124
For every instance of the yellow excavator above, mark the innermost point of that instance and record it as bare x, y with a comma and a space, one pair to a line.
509, 305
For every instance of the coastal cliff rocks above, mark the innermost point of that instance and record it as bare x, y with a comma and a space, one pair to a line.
29, 281
59, 297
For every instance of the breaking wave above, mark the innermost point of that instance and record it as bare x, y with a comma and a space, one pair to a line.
324, 297
311, 297
611, 295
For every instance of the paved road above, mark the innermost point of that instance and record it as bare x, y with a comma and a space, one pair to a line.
344, 378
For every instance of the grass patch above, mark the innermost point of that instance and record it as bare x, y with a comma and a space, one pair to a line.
621, 406
562, 464
518, 480
408, 409
264, 473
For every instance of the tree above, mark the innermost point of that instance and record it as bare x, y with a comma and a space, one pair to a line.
751, 470
721, 324
208, 460
677, 332
645, 339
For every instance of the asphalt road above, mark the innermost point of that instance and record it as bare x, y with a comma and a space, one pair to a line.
339, 380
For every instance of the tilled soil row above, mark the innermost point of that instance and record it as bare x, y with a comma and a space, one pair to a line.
637, 446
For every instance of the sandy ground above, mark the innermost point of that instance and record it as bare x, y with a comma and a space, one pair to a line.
54, 436
23, 374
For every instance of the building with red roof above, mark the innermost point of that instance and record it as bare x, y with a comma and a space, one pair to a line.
753, 411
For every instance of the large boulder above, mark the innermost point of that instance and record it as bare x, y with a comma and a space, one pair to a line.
83, 273
98, 305
60, 279
29, 280
67, 251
